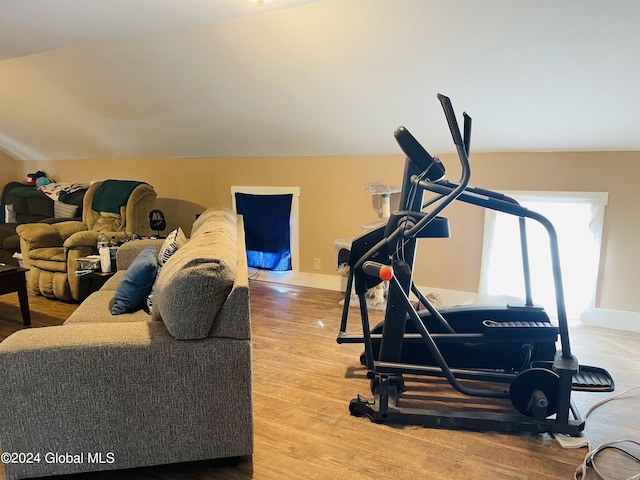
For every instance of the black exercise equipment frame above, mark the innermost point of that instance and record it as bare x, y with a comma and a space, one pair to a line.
541, 393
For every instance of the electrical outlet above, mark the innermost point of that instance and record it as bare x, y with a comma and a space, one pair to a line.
316, 264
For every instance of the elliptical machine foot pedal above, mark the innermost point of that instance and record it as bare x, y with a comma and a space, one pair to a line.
587, 378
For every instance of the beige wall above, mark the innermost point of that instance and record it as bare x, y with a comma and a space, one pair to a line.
333, 203
8, 169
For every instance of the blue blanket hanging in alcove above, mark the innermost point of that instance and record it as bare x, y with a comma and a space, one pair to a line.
267, 229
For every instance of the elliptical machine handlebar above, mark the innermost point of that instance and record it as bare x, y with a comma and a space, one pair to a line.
420, 158
380, 270
451, 120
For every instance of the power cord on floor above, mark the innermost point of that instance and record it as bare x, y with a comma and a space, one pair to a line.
589, 459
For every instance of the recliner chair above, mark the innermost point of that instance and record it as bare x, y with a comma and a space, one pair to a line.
116, 207
30, 206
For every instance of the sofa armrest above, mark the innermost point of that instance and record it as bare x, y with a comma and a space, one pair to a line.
130, 250
126, 388
39, 235
89, 238
44, 235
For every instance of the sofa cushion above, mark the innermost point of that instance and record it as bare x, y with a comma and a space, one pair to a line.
48, 282
108, 222
9, 239
111, 285
40, 235
64, 210
196, 280
52, 259
96, 308
213, 219
29, 204
136, 282
7, 214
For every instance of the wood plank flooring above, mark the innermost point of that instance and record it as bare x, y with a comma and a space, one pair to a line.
304, 380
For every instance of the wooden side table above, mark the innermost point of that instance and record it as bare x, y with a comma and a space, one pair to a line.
92, 282
14, 280
98, 279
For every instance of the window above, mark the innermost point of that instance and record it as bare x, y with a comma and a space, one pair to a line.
267, 229
578, 219
293, 222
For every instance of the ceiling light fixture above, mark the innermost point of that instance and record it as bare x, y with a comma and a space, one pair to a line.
261, 2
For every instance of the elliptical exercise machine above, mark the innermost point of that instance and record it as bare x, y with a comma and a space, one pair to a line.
470, 346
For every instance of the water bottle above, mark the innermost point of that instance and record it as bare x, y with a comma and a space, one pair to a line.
103, 251
113, 250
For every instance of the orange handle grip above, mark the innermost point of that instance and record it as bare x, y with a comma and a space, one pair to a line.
380, 270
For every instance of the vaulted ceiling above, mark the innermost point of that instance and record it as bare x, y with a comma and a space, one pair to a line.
226, 78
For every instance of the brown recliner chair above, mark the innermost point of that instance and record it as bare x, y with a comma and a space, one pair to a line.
118, 208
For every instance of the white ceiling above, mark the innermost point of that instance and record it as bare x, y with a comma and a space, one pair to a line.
226, 78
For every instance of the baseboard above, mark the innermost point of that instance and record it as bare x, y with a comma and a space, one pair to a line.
614, 319
301, 279
600, 317
339, 283
451, 297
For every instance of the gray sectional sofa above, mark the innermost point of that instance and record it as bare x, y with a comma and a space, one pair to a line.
105, 392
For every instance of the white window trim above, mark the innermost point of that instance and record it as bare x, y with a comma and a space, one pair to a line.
602, 198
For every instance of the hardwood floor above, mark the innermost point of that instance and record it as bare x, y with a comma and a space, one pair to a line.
304, 380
